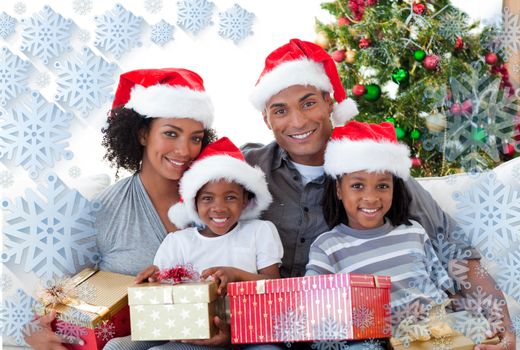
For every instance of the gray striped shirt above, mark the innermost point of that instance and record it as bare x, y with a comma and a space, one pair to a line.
405, 253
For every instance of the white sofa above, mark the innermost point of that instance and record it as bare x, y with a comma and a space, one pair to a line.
487, 205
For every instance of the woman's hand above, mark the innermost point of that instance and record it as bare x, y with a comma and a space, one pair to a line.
40, 335
222, 338
221, 275
147, 275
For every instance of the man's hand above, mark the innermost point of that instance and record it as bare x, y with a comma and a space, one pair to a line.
222, 338
221, 275
147, 275
41, 337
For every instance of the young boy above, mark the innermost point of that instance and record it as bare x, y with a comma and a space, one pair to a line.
223, 195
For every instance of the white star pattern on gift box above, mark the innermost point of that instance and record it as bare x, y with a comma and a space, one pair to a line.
185, 314
186, 332
170, 323
138, 294
154, 315
141, 324
50, 232
46, 34
156, 332
198, 292
139, 308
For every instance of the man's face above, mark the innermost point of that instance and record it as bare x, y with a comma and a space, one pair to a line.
299, 117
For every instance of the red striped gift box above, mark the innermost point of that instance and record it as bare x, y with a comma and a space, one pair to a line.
312, 308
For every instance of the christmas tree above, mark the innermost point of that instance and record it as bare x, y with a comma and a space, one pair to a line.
436, 75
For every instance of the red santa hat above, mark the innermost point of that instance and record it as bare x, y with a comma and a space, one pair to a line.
302, 63
360, 146
219, 160
165, 93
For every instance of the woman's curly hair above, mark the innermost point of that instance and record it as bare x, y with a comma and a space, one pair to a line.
121, 138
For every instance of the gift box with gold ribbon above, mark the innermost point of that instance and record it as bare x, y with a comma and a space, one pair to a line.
173, 312
91, 306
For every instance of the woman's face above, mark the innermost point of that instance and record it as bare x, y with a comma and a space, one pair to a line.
170, 145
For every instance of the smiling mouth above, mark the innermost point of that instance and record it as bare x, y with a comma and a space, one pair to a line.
219, 220
369, 211
175, 162
302, 136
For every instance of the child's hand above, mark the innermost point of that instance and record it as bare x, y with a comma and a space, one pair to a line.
221, 275
147, 275
507, 342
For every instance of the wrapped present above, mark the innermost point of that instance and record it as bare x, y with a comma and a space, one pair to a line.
312, 308
174, 312
442, 333
91, 306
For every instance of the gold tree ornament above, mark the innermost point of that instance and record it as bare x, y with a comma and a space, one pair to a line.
436, 122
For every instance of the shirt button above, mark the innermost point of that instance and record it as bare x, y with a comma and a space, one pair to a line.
302, 240
306, 209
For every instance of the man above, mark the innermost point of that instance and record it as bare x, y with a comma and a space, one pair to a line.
293, 94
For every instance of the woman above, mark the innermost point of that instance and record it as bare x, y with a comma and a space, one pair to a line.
159, 122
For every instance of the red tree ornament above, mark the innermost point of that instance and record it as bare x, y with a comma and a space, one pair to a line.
343, 21
364, 43
338, 56
418, 8
359, 90
491, 58
459, 43
431, 62
416, 162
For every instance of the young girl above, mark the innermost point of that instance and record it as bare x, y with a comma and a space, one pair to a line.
223, 195
367, 208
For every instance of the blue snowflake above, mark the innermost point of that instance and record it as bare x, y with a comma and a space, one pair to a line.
117, 31
5, 283
515, 325
509, 274
84, 81
153, 6
74, 172
13, 76
51, 232
329, 329
194, 15
7, 24
16, 313
34, 134
484, 126
162, 33
6, 179
43, 79
84, 36
235, 23
20, 8
82, 7
46, 34
488, 215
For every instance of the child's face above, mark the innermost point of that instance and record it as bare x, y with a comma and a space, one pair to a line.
220, 205
366, 197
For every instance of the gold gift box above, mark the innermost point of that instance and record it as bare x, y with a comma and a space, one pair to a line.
174, 312
456, 341
108, 297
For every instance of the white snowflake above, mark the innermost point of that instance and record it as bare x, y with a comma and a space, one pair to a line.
75, 317
70, 331
35, 134
509, 274
372, 344
488, 214
194, 15
15, 314
84, 81
414, 310
7, 24
82, 7
51, 232
13, 76
516, 172
46, 34
362, 317
20, 8
481, 130
289, 326
516, 68
331, 345
508, 36
162, 33
329, 329
453, 23
86, 292
515, 325
5, 283
235, 23
74, 172
442, 343
105, 330
153, 6
84, 36
117, 31
473, 327
43, 79
6, 179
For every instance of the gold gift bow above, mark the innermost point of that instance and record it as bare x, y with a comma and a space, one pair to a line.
410, 331
76, 303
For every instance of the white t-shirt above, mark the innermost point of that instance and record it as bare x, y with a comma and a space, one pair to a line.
308, 172
252, 245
